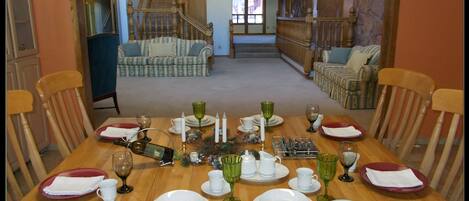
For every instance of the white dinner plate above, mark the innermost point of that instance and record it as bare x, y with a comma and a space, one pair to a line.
206, 189
193, 122
173, 131
293, 183
281, 171
282, 194
273, 121
179, 195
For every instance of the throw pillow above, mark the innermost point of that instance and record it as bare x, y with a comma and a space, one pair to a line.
195, 49
162, 49
131, 49
357, 60
339, 55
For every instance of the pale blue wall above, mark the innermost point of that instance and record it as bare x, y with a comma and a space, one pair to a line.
122, 20
219, 13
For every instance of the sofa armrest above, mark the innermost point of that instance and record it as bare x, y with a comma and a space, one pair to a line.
120, 52
325, 55
206, 52
368, 73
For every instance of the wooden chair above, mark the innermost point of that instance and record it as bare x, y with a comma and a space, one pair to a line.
64, 108
446, 101
402, 119
20, 102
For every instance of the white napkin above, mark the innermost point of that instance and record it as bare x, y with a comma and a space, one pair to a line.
63, 185
348, 131
119, 132
401, 178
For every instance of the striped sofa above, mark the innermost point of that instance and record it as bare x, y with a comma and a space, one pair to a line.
179, 66
352, 90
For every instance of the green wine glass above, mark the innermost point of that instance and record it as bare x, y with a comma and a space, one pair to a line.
267, 108
327, 164
198, 107
231, 166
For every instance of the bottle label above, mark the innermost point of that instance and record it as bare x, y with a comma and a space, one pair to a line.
153, 151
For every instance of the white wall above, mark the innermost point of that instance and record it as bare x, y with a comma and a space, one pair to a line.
219, 13
271, 15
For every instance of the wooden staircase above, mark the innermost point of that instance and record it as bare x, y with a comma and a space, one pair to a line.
256, 50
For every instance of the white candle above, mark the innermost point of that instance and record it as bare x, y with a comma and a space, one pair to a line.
217, 128
224, 127
261, 124
183, 128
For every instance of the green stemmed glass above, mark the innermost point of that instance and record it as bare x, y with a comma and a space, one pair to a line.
267, 108
326, 167
198, 107
231, 165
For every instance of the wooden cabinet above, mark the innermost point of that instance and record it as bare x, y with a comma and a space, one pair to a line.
23, 69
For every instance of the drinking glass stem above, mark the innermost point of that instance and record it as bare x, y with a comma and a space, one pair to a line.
232, 190
326, 184
266, 124
124, 183
346, 172
200, 124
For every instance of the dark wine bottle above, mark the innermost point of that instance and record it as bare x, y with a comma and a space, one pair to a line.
157, 152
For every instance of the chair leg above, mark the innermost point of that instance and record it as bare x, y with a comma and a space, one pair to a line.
114, 97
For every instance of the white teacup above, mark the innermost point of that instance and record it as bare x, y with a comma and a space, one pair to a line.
176, 123
216, 181
107, 189
247, 123
267, 164
304, 178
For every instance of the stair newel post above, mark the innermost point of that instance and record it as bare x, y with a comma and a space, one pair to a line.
231, 40
174, 10
130, 18
308, 60
350, 22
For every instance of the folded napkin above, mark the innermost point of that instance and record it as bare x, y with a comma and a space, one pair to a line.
348, 131
63, 185
119, 132
400, 179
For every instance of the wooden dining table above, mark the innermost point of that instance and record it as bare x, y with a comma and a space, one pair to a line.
150, 180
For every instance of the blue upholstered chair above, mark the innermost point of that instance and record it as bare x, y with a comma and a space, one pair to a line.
102, 54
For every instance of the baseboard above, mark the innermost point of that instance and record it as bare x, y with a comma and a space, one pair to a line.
293, 64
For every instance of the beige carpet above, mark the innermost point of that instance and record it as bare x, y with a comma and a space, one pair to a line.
236, 86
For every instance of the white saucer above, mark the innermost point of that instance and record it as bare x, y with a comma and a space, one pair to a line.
254, 129
281, 171
206, 189
178, 195
293, 183
171, 130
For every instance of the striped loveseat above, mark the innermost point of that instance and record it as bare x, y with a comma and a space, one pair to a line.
352, 90
181, 65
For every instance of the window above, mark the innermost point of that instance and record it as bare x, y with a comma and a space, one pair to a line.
248, 11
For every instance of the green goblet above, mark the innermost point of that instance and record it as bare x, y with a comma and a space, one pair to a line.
231, 165
198, 107
326, 167
267, 108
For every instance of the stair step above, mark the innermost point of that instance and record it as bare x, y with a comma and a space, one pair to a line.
256, 48
257, 55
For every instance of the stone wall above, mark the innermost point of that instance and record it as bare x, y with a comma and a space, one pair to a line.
369, 26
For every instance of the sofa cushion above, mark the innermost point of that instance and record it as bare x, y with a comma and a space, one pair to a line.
195, 49
343, 77
320, 67
188, 60
132, 60
131, 49
162, 49
161, 60
357, 60
339, 55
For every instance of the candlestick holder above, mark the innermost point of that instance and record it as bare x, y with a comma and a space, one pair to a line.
262, 145
183, 147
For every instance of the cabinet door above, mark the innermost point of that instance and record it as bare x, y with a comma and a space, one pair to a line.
22, 27
27, 74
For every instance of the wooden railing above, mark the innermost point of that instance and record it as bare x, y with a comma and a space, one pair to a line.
303, 38
146, 23
232, 50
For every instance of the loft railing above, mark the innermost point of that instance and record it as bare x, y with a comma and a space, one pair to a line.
303, 38
146, 23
